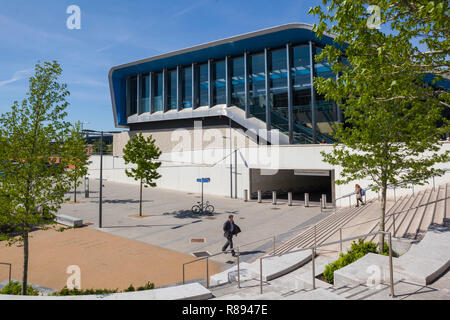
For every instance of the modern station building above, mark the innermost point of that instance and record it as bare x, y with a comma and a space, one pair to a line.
265, 76
248, 86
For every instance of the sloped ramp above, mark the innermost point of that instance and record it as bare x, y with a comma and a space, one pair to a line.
427, 260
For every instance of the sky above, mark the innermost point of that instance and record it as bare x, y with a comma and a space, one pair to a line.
115, 32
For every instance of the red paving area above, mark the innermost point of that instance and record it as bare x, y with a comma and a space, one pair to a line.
105, 260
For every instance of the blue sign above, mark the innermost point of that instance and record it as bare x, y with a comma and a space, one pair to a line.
205, 180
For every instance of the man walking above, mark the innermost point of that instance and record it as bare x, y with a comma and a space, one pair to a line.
230, 229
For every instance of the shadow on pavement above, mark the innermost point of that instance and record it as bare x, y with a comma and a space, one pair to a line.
183, 214
123, 201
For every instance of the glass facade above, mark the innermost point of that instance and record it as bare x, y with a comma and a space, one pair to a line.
157, 103
219, 83
186, 87
181, 90
327, 114
301, 93
145, 93
237, 74
257, 86
172, 90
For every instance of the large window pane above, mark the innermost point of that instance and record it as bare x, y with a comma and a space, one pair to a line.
202, 84
257, 91
132, 96
219, 82
172, 90
278, 97
145, 93
301, 85
326, 113
237, 82
157, 92
186, 87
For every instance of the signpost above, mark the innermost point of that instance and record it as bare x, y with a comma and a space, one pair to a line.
203, 180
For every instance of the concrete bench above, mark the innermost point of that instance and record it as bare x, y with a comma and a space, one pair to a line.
69, 221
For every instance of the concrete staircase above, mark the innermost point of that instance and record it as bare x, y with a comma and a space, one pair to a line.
413, 215
326, 228
421, 263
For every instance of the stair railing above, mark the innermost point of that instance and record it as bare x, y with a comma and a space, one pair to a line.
313, 252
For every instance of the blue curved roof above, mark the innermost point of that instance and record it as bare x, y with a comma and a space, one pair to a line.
251, 42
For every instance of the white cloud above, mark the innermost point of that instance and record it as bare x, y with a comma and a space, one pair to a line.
18, 75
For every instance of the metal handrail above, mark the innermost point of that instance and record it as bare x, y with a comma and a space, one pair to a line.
314, 247
10, 266
395, 213
238, 252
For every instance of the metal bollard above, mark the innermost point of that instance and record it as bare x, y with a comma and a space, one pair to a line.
245, 195
306, 199
274, 197
324, 201
289, 198
340, 238
86, 187
259, 196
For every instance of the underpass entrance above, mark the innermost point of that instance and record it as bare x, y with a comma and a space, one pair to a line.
297, 181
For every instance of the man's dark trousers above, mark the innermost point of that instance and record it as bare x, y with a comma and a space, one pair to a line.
229, 243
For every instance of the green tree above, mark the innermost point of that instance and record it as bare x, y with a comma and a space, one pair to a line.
33, 158
390, 134
142, 153
78, 157
415, 40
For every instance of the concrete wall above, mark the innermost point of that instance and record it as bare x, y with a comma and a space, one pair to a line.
180, 169
188, 139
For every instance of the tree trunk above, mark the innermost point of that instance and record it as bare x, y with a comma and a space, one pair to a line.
382, 216
25, 264
140, 201
75, 193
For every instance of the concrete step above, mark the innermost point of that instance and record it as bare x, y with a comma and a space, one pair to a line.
306, 235
399, 205
325, 229
421, 212
370, 269
407, 217
317, 294
440, 207
428, 215
428, 259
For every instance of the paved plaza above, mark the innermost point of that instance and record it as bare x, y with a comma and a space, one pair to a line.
105, 260
170, 224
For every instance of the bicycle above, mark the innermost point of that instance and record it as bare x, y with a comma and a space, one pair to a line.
201, 207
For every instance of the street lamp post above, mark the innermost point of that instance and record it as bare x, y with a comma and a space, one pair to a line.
100, 202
